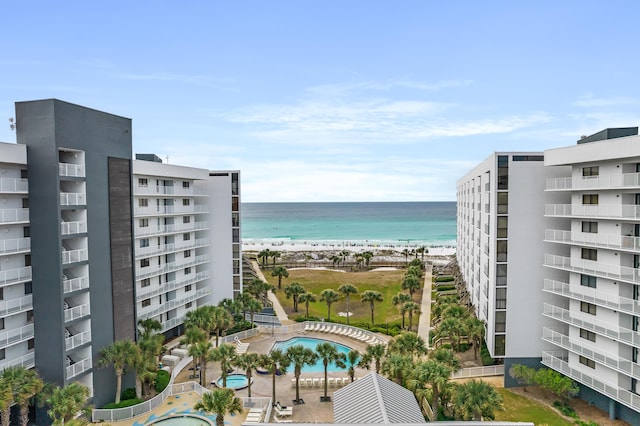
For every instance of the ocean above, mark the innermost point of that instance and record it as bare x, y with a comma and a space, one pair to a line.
430, 224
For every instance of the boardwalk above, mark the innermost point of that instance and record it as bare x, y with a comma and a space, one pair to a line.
424, 325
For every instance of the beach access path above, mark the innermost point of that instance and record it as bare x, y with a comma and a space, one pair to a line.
277, 307
424, 324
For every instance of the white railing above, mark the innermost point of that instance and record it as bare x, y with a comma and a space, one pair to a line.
591, 295
151, 271
168, 248
17, 335
16, 245
16, 305
617, 211
14, 215
172, 304
150, 291
617, 272
77, 227
611, 390
72, 170
77, 340
78, 367
76, 312
167, 190
27, 361
72, 256
593, 239
160, 210
75, 284
15, 275
72, 199
490, 370
615, 362
603, 328
168, 229
14, 185
625, 180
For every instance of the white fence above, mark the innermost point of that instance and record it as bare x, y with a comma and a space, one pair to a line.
490, 370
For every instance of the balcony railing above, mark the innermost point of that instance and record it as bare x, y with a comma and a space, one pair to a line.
598, 211
172, 304
16, 335
8, 307
620, 242
625, 180
14, 215
14, 185
76, 312
76, 340
75, 284
169, 229
73, 199
72, 256
150, 291
151, 271
170, 210
71, 170
78, 227
16, 245
168, 248
15, 275
27, 360
591, 295
605, 270
168, 190
78, 367
603, 328
615, 362
624, 397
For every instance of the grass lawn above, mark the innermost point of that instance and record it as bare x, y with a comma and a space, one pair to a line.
521, 409
389, 283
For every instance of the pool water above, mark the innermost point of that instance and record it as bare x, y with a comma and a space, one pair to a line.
182, 420
311, 343
234, 381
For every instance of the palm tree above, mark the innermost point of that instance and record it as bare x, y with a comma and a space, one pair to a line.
433, 374
411, 283
353, 358
264, 255
279, 271
259, 289
411, 308
199, 351
399, 300
307, 298
248, 361
221, 320
367, 256
372, 297
476, 399
408, 343
421, 250
344, 254
146, 368
24, 384
329, 353
200, 318
406, 252
375, 353
220, 402
6, 399
300, 356
275, 363
226, 355
348, 290
192, 336
294, 290
253, 305
475, 333
335, 260
120, 355
451, 328
329, 296
275, 254
396, 365
66, 402
446, 356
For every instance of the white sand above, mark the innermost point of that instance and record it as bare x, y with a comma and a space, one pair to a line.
289, 246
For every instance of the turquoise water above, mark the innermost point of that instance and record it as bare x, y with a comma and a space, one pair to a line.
311, 343
419, 223
235, 381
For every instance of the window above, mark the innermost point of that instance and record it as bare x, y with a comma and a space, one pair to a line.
24, 174
501, 298
28, 287
590, 171
589, 198
188, 305
587, 307
503, 202
144, 263
187, 271
589, 335
2, 355
588, 281
186, 236
591, 227
186, 185
143, 182
187, 253
1, 323
144, 242
145, 282
30, 315
143, 202
588, 362
503, 172
503, 223
187, 288
589, 254
499, 345
25, 203
501, 275
31, 343
501, 250
235, 235
186, 219
528, 158
146, 302
501, 319
144, 223
186, 201
1, 293
26, 231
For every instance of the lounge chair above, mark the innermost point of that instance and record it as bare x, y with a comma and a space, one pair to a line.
308, 327
309, 382
316, 381
346, 381
322, 381
282, 411
331, 381
293, 383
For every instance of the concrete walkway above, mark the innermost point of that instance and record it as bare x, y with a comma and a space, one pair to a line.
424, 325
277, 308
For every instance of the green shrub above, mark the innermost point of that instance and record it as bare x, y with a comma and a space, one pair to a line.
444, 279
239, 326
122, 404
162, 380
303, 319
586, 423
464, 346
485, 356
445, 287
128, 393
565, 409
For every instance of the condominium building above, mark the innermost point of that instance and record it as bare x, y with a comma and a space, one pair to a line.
591, 268
92, 241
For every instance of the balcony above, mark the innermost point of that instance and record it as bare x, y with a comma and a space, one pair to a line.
170, 229
27, 361
582, 266
151, 271
74, 284
76, 340
69, 228
150, 291
73, 199
71, 170
595, 211
17, 275
617, 242
14, 186
73, 256
168, 190
169, 248
14, 215
621, 181
173, 304
18, 335
18, 245
615, 362
173, 322
169, 210
22, 304
591, 295
71, 314
624, 397
78, 368
606, 329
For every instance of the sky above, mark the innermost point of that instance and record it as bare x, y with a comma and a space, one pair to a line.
332, 100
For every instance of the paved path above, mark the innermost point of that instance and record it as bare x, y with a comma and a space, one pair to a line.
424, 325
277, 308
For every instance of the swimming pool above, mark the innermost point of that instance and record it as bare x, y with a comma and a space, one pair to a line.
234, 381
311, 343
182, 420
